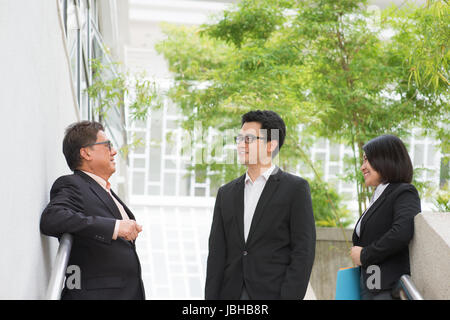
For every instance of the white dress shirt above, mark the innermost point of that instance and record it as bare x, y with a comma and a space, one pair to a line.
252, 193
376, 194
107, 186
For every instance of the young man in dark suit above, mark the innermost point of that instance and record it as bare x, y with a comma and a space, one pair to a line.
103, 228
262, 239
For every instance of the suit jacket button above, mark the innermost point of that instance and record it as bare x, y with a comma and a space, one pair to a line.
245, 253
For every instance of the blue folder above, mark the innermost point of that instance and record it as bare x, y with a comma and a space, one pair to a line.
347, 284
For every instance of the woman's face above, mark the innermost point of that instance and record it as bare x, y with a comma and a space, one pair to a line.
371, 177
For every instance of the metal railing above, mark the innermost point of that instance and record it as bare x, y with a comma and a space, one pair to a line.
58, 274
406, 290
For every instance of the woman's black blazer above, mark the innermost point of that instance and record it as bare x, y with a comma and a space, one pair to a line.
386, 229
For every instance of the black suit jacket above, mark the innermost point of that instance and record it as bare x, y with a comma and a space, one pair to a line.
110, 269
385, 232
276, 260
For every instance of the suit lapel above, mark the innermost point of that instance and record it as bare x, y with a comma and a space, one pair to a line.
102, 195
107, 200
374, 207
239, 207
268, 191
127, 210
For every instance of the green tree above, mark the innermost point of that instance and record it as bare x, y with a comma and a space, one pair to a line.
323, 65
327, 207
422, 38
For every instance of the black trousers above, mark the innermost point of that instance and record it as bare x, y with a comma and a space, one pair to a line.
244, 294
367, 295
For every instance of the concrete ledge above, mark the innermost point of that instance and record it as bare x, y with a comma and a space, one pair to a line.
333, 234
430, 255
332, 253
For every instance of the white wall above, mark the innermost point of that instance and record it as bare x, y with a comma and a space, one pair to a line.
36, 104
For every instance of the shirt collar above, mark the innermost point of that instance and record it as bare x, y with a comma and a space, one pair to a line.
105, 184
266, 174
379, 189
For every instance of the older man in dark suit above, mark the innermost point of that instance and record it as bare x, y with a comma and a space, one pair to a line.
104, 229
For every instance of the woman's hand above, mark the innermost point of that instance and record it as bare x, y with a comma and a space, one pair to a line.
355, 254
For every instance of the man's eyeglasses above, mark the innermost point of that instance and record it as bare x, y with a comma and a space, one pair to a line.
249, 138
108, 143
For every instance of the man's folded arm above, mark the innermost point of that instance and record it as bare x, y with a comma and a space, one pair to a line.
65, 213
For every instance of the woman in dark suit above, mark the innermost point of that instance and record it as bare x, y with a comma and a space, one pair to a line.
383, 231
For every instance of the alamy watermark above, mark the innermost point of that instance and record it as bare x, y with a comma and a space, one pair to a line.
373, 282
211, 146
73, 277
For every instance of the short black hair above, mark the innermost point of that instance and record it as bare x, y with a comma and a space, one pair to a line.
388, 156
78, 135
268, 120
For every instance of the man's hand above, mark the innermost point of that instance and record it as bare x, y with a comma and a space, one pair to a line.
129, 229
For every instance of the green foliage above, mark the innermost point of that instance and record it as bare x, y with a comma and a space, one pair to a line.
421, 45
429, 53
423, 187
327, 206
111, 88
145, 97
322, 65
107, 88
442, 200
254, 20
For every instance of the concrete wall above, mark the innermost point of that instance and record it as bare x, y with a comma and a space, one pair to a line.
332, 253
36, 104
430, 255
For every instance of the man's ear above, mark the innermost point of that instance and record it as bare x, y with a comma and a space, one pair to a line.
84, 154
